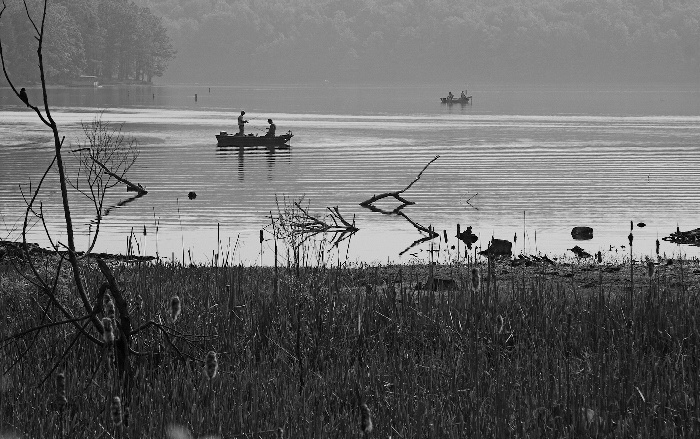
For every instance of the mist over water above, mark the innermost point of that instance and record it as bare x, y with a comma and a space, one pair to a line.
535, 160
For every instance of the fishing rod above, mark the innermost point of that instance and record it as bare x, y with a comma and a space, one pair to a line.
256, 128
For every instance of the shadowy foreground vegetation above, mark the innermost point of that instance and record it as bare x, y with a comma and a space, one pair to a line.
555, 351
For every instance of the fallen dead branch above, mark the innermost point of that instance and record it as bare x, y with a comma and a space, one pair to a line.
297, 224
369, 203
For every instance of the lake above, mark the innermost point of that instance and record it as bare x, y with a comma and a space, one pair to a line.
527, 161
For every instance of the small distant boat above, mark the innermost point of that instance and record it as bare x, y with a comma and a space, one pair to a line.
465, 100
226, 139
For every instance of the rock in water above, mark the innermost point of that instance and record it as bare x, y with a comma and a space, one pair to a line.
582, 233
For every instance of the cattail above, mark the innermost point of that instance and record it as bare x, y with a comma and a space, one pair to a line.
599, 257
116, 411
138, 303
651, 268
280, 433
212, 365
175, 308
500, 323
657, 247
108, 335
127, 417
365, 420
476, 279
109, 307
630, 237
61, 399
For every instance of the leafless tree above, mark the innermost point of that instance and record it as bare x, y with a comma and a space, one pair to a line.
103, 160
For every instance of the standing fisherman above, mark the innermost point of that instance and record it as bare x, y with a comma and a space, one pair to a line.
271, 129
241, 124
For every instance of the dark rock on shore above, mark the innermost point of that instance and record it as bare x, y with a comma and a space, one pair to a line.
580, 253
498, 247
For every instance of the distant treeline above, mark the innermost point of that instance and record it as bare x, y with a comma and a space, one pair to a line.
111, 39
539, 40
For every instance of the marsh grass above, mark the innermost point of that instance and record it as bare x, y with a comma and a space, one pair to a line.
305, 357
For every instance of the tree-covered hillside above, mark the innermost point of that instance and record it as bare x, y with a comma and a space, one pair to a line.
368, 40
111, 39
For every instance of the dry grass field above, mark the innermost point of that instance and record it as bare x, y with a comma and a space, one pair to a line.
543, 351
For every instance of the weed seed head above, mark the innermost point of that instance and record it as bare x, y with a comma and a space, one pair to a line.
500, 323
116, 411
476, 279
61, 399
212, 365
366, 419
175, 308
108, 335
138, 303
109, 308
651, 268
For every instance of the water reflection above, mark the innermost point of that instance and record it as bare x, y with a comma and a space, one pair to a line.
121, 203
271, 153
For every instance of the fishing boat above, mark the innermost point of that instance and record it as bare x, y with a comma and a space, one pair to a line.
226, 139
465, 100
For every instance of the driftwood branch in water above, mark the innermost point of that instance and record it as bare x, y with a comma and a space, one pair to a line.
130, 187
432, 234
369, 203
300, 225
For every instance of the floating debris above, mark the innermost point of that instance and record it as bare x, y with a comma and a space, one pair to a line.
467, 236
691, 237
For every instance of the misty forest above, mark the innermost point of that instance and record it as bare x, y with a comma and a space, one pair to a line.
110, 39
293, 41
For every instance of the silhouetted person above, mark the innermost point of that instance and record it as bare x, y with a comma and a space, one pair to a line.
241, 123
271, 129
23, 96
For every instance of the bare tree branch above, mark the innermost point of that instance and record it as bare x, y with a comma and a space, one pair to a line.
369, 203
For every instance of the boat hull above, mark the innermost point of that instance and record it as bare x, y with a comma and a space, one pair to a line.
225, 139
467, 100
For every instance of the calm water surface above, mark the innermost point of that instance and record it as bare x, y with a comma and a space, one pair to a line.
536, 161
